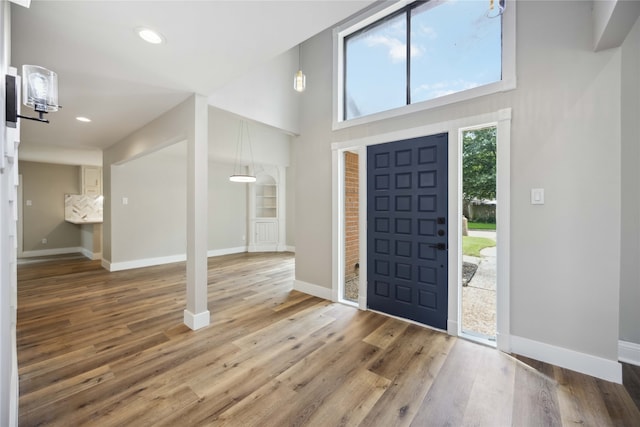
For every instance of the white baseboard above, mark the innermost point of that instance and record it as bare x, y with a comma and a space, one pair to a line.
629, 352
146, 262
56, 251
227, 251
290, 249
263, 248
311, 289
595, 366
87, 253
197, 321
91, 255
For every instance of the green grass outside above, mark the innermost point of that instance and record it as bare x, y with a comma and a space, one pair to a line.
480, 226
473, 245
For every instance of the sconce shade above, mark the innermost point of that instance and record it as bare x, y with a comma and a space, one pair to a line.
39, 88
299, 81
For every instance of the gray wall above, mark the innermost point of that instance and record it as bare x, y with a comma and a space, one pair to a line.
227, 209
565, 138
630, 252
292, 184
152, 176
170, 128
153, 223
45, 185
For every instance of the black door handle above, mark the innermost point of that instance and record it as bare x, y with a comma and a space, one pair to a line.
439, 246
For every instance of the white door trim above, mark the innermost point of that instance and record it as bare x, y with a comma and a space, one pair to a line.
503, 119
20, 229
503, 132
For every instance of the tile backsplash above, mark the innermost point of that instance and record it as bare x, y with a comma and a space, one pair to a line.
82, 208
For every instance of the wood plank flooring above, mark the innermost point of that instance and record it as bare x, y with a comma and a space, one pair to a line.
109, 349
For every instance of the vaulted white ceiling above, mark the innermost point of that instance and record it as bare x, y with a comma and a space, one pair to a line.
106, 72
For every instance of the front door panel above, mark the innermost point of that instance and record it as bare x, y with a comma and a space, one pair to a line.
407, 229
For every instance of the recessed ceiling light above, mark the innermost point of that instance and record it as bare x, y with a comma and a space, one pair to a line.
83, 119
150, 36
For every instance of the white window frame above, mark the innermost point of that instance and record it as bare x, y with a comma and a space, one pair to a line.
378, 12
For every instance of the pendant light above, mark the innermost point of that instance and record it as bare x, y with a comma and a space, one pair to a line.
238, 173
299, 79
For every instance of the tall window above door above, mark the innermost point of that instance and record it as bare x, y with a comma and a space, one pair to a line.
422, 54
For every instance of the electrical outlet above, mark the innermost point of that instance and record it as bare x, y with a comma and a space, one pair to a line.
44, 241
29, 203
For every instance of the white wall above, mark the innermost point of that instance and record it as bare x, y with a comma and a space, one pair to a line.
265, 94
269, 145
8, 218
59, 155
612, 20
565, 138
630, 250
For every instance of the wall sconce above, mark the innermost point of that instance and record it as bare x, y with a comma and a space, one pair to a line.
39, 91
238, 175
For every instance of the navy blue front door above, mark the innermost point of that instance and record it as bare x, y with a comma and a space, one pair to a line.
407, 229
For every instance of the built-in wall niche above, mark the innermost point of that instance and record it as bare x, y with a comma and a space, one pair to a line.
266, 210
266, 196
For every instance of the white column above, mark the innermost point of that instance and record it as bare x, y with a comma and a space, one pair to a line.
196, 315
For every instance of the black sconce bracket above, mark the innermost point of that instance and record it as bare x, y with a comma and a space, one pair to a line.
40, 117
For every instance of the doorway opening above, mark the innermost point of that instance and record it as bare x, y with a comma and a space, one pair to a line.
479, 236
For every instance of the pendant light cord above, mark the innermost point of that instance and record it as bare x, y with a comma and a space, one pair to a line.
238, 165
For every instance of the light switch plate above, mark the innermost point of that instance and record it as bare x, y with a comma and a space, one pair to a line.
537, 196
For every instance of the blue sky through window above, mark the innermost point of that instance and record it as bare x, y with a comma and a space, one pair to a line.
454, 47
377, 68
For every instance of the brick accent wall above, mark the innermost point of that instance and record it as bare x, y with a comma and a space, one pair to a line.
351, 200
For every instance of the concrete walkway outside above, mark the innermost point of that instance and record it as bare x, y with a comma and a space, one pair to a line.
479, 296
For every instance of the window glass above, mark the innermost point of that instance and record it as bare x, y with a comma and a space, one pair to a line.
376, 68
454, 47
